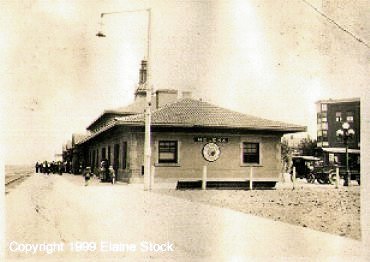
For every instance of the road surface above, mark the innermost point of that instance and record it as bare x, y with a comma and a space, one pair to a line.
57, 218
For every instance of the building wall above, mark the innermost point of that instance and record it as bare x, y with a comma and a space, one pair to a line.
328, 123
93, 152
333, 125
190, 159
229, 164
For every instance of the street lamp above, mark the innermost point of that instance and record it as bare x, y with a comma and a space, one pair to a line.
147, 113
345, 133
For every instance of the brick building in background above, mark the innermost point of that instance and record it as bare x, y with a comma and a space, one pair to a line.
331, 114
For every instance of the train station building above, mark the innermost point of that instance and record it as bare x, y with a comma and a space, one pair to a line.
186, 134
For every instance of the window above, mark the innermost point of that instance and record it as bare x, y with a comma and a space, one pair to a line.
167, 152
251, 153
349, 116
331, 158
325, 135
324, 126
338, 116
324, 107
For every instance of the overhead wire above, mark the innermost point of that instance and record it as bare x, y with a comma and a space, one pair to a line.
336, 24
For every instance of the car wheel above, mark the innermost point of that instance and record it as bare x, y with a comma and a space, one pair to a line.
310, 178
332, 177
322, 181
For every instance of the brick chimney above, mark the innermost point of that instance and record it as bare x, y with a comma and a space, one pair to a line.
186, 94
165, 96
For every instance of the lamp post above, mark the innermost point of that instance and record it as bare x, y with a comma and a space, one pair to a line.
345, 133
147, 112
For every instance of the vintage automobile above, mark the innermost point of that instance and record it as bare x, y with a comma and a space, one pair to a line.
313, 168
304, 167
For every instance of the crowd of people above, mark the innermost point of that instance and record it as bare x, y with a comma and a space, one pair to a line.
53, 167
105, 174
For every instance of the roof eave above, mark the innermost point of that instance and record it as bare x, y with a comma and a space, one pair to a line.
108, 111
97, 133
267, 128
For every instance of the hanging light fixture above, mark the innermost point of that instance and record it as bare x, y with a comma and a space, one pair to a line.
100, 32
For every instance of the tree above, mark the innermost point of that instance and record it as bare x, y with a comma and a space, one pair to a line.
286, 153
307, 146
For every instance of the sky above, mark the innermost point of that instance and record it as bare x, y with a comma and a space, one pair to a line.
272, 59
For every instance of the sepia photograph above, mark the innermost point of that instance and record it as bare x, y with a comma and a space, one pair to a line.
185, 130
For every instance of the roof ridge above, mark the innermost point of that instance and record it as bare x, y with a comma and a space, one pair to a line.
223, 108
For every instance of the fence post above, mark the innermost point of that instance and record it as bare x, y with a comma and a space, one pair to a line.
204, 178
294, 177
251, 179
337, 177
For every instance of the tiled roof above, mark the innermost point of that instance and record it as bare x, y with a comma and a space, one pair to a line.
102, 130
77, 138
134, 108
194, 113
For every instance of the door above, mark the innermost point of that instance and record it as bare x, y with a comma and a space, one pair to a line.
116, 158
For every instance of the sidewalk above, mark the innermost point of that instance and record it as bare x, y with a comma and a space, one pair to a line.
126, 214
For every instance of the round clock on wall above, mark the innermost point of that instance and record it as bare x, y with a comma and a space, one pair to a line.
211, 152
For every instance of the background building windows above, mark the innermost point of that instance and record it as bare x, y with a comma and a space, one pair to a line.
167, 152
324, 107
325, 135
338, 116
349, 116
251, 153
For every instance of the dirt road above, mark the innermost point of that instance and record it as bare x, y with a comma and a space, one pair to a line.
320, 207
56, 218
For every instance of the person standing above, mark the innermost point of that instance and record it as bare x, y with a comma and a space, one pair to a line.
48, 166
37, 167
60, 168
44, 167
87, 175
112, 174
